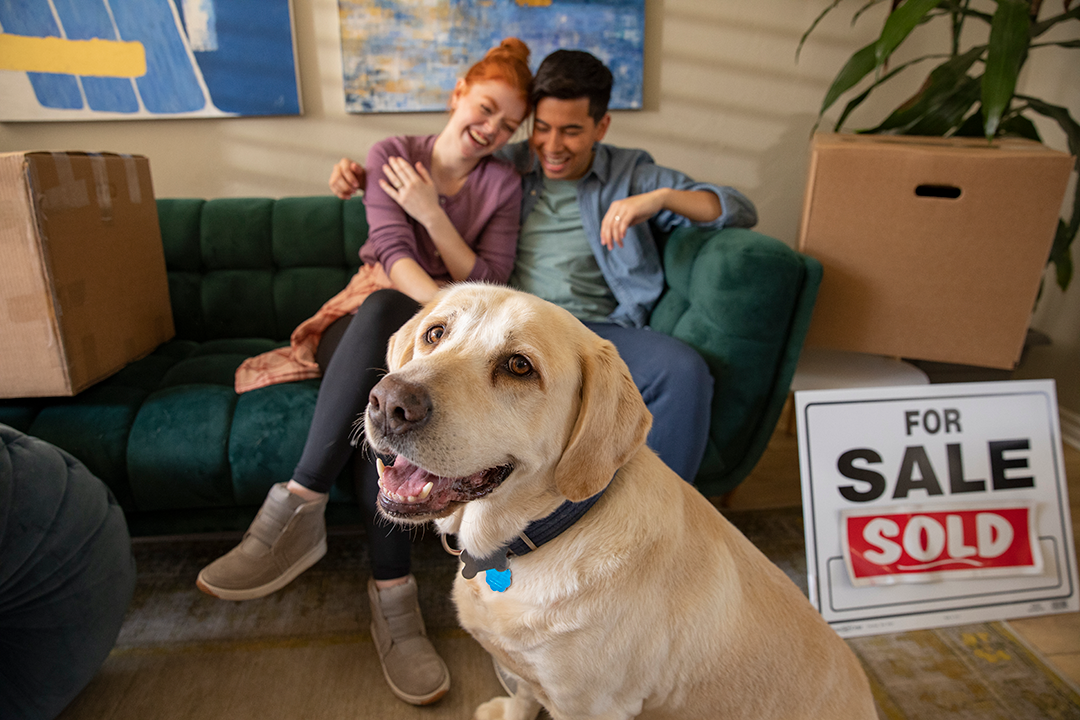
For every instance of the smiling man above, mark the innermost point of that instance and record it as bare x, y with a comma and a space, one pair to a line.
590, 214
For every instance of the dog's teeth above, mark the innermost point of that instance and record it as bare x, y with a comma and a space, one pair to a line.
426, 491
380, 466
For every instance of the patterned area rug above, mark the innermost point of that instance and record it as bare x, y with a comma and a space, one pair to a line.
182, 654
969, 672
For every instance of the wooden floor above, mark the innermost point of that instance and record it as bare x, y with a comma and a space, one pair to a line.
775, 483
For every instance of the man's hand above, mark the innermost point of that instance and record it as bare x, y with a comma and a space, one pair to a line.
629, 211
699, 206
346, 179
412, 188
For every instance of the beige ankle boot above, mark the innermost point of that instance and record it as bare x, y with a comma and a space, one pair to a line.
286, 538
413, 670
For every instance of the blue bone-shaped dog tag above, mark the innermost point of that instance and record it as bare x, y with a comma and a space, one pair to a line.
498, 580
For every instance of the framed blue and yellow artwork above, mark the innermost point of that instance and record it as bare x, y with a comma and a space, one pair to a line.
146, 59
406, 55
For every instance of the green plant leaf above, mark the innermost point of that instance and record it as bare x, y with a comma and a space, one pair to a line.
1064, 44
947, 112
1020, 126
855, 69
813, 25
1040, 27
1061, 257
1066, 232
1008, 47
984, 16
943, 83
858, 100
1015, 125
972, 127
858, 14
899, 25
1062, 117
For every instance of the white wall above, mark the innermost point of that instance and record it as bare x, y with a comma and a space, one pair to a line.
725, 101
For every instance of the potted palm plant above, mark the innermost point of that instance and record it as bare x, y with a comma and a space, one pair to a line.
970, 89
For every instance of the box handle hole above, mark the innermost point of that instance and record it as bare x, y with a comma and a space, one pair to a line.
938, 191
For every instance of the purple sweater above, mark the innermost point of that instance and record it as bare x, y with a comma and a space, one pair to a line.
486, 212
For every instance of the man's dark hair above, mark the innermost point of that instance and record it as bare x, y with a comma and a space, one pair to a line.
573, 74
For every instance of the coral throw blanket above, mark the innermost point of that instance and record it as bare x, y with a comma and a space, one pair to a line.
297, 362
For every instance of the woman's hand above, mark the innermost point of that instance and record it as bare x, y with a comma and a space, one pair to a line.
629, 211
413, 189
346, 179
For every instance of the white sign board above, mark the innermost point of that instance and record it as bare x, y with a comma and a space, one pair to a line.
935, 505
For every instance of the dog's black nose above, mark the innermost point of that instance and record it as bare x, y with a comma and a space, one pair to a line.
396, 406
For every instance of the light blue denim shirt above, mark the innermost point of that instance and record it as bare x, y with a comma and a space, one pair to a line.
634, 271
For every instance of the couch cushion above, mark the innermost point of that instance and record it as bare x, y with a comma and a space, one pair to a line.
196, 444
234, 234
179, 219
177, 453
238, 304
733, 298
94, 424
307, 232
299, 292
267, 436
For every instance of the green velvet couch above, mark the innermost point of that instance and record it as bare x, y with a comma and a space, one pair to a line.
183, 453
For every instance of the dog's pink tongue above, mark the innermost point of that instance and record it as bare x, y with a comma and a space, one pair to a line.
404, 478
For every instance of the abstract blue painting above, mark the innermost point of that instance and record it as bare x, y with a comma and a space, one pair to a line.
143, 59
404, 55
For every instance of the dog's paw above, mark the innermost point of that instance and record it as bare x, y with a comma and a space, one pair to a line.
497, 709
505, 708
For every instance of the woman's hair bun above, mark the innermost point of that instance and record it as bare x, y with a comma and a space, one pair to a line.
513, 46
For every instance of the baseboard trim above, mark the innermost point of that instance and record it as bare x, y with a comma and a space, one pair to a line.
1070, 427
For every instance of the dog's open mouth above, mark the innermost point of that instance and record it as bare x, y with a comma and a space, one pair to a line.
408, 491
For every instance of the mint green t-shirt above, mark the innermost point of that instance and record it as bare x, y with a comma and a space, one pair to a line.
554, 260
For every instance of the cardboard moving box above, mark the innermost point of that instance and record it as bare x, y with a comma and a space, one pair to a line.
83, 289
933, 248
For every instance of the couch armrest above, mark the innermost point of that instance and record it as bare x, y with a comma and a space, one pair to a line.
743, 300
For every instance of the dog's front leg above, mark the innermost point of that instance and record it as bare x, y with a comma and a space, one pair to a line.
522, 705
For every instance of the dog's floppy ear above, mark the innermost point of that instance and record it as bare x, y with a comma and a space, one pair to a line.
399, 349
612, 424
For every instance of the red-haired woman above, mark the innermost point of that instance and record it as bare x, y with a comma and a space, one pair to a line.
444, 210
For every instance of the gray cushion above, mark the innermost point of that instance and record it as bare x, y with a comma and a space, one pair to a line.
66, 576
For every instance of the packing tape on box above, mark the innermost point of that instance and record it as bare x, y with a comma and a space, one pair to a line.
72, 294
69, 193
24, 308
101, 185
132, 170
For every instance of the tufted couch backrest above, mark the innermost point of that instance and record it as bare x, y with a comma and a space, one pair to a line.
237, 270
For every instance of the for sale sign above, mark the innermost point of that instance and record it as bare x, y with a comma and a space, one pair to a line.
935, 505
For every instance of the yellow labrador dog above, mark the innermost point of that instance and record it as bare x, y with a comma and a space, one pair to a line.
514, 427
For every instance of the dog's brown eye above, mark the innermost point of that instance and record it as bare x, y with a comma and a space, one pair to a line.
519, 365
434, 334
